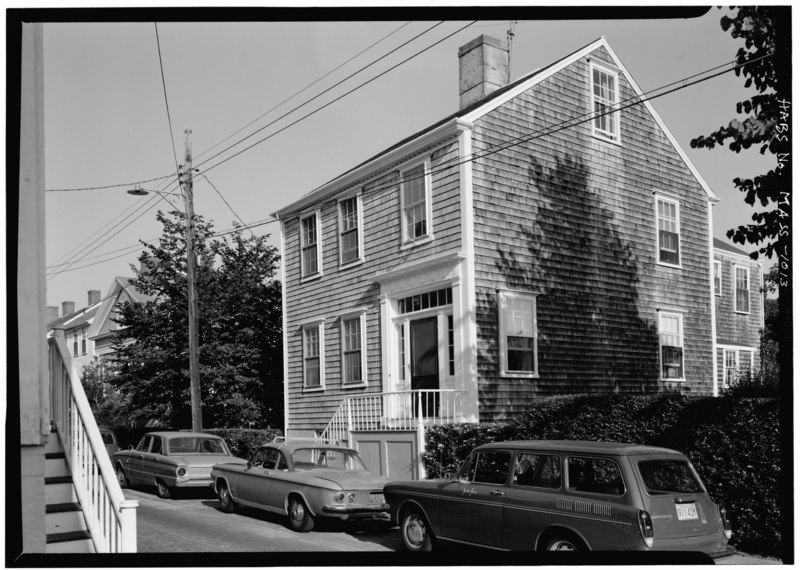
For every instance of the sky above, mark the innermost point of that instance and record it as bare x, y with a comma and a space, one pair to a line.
113, 119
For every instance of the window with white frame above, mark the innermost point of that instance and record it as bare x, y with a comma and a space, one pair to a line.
415, 203
668, 218
742, 288
75, 342
349, 230
309, 245
717, 277
518, 332
730, 370
605, 95
83, 340
312, 356
353, 354
670, 327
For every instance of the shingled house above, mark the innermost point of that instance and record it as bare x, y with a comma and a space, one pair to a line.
544, 239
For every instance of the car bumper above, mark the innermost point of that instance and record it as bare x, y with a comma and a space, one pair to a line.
346, 512
194, 483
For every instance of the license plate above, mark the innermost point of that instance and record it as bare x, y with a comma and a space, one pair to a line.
686, 511
376, 498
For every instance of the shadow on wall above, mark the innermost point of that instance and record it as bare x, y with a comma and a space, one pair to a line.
573, 253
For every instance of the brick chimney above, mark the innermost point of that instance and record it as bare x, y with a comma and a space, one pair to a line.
482, 68
94, 297
67, 307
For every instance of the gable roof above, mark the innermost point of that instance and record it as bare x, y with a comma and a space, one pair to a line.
120, 286
478, 109
725, 246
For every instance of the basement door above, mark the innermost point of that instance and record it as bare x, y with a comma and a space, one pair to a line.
425, 365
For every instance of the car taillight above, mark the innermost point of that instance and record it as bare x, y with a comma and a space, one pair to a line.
646, 526
726, 523
181, 471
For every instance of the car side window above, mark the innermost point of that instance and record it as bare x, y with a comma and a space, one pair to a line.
156, 447
492, 467
282, 463
537, 470
259, 458
595, 475
270, 458
144, 443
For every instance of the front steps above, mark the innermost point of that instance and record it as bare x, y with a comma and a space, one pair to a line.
66, 527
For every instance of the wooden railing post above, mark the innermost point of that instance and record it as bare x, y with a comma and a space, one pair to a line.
349, 424
127, 519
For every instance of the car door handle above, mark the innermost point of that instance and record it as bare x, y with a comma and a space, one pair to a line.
497, 493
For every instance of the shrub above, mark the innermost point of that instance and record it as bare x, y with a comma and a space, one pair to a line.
734, 443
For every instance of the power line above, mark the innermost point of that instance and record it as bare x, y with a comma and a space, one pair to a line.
166, 100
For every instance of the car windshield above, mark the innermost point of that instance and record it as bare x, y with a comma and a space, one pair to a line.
669, 476
325, 458
210, 445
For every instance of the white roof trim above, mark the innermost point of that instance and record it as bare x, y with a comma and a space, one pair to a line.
525, 85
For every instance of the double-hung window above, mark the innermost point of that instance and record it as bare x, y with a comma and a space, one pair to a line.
309, 245
668, 218
353, 344
670, 328
83, 340
313, 366
518, 332
349, 230
605, 95
75, 343
416, 203
731, 367
741, 279
717, 277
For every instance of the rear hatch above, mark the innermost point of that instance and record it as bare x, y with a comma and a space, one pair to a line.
676, 499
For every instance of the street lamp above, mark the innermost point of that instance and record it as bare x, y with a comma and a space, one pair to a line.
185, 178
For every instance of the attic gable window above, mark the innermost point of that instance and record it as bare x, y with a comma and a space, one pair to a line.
309, 246
605, 96
669, 229
415, 201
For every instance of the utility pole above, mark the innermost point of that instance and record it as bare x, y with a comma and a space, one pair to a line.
194, 356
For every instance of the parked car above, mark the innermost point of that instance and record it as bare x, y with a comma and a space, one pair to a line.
110, 440
304, 480
172, 459
564, 495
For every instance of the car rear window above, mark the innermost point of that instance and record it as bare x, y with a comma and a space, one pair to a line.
669, 476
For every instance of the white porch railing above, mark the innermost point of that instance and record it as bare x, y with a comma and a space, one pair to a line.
406, 410
110, 518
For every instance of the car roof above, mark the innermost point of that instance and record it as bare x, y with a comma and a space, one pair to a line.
171, 434
574, 446
291, 445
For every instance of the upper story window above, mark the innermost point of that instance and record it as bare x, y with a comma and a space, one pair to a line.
353, 353
350, 230
518, 332
75, 341
669, 228
313, 366
717, 277
415, 201
670, 335
742, 288
605, 95
83, 340
309, 245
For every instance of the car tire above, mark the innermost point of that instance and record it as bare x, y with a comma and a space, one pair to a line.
415, 531
564, 543
162, 490
226, 503
300, 518
121, 477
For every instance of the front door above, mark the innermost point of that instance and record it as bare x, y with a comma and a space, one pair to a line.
425, 365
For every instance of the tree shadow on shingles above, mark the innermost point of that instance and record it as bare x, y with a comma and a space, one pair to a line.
592, 337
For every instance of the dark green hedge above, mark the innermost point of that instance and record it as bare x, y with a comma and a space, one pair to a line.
733, 443
244, 442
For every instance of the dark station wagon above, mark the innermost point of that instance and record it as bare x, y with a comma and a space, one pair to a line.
564, 495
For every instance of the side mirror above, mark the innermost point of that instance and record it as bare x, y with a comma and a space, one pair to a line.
249, 464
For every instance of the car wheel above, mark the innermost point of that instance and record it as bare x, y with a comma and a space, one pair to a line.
416, 532
162, 489
300, 519
564, 544
226, 503
121, 477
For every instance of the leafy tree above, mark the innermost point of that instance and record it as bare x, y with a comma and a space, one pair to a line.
239, 327
108, 403
764, 63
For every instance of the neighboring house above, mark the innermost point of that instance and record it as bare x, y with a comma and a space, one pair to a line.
738, 284
76, 325
101, 333
532, 243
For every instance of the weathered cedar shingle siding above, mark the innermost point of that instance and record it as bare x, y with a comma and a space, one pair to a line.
339, 291
572, 218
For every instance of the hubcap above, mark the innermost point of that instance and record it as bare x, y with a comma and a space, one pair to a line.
297, 512
563, 545
415, 531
